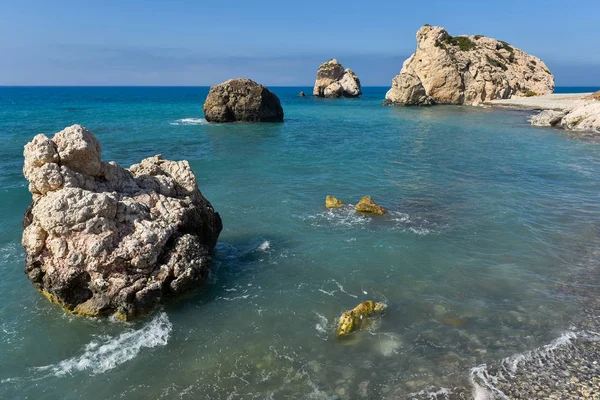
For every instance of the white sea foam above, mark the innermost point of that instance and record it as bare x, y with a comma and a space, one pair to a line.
485, 385
12, 253
321, 326
109, 352
189, 121
266, 245
432, 393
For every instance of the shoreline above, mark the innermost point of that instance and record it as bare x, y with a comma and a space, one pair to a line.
555, 102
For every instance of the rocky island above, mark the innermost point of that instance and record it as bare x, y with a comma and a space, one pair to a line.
333, 81
104, 240
467, 69
242, 100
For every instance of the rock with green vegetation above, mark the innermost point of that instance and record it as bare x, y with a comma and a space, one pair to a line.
332, 202
103, 240
367, 205
467, 69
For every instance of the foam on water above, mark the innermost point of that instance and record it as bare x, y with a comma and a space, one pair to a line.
189, 121
108, 352
264, 246
11, 253
485, 384
321, 326
347, 218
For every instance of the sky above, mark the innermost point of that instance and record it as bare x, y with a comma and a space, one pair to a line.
277, 43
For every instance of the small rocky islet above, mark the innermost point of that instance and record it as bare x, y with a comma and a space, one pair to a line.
104, 240
242, 100
333, 81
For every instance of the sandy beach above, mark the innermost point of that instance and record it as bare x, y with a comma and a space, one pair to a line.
557, 102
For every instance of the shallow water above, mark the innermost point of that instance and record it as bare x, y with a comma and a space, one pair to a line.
491, 222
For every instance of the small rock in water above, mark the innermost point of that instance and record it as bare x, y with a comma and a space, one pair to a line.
367, 205
242, 100
301, 94
332, 202
356, 318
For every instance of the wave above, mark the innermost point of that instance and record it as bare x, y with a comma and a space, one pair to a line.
12, 253
109, 352
189, 121
347, 218
487, 384
264, 246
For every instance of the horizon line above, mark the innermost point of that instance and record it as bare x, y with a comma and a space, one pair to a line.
204, 86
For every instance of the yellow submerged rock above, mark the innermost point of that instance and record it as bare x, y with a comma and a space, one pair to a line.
332, 202
367, 205
356, 318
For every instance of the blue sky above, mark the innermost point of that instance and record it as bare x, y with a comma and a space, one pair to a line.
184, 42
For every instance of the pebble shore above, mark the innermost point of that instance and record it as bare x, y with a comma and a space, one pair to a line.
555, 101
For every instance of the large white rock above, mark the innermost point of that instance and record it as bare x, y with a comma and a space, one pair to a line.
585, 117
101, 239
466, 70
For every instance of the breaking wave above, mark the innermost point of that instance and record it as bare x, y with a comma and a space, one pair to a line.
189, 121
109, 352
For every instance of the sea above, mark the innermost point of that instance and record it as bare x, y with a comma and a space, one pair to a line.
489, 248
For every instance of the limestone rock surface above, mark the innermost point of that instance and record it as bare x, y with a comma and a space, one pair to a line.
333, 81
583, 117
547, 118
466, 70
242, 100
332, 202
357, 317
104, 240
367, 205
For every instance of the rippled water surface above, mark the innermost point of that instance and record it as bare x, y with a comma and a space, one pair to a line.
487, 251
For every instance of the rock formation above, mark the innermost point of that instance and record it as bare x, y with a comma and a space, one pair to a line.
358, 317
594, 96
332, 202
581, 117
242, 100
301, 94
367, 205
333, 81
466, 70
104, 240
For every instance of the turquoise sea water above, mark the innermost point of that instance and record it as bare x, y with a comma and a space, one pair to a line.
488, 249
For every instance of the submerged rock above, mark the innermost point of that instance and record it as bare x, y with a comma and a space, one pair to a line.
468, 69
242, 100
332, 202
367, 205
356, 318
104, 240
333, 81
